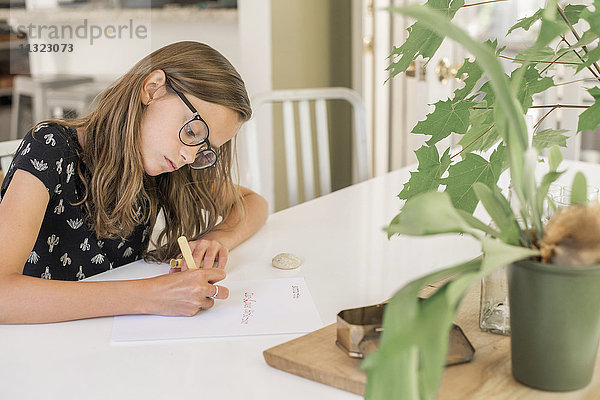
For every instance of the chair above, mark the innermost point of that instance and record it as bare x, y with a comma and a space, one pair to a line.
7, 152
303, 97
37, 88
77, 98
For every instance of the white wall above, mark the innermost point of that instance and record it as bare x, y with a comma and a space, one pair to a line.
254, 29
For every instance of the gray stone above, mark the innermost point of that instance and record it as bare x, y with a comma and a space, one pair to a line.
286, 261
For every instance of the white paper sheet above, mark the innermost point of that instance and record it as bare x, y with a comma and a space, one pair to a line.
254, 307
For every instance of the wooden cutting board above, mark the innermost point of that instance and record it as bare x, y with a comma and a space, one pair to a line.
316, 356
487, 377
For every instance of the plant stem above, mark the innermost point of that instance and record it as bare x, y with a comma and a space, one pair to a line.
483, 2
578, 56
469, 145
560, 106
545, 115
564, 17
553, 61
575, 81
554, 107
540, 62
540, 106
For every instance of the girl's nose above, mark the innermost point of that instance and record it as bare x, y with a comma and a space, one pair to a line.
188, 154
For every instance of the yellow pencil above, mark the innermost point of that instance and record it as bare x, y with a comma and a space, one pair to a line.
187, 252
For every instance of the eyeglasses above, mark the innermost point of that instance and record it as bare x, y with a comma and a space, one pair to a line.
195, 133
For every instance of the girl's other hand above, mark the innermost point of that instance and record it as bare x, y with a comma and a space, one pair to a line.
207, 254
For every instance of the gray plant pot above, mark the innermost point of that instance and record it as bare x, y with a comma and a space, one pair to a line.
555, 324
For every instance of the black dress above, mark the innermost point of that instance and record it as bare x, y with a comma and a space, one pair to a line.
66, 248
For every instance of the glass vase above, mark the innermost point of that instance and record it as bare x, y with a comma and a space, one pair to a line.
494, 314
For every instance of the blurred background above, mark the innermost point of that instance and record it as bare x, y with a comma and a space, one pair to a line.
57, 55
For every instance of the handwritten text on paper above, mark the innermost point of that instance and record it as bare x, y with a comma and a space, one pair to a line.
295, 292
248, 303
254, 307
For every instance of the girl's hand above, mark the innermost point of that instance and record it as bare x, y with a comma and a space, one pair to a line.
187, 293
206, 253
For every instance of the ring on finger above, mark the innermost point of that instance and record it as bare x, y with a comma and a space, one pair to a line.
214, 296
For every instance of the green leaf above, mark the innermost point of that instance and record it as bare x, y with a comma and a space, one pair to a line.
434, 347
477, 224
449, 116
533, 54
421, 40
482, 134
587, 38
554, 158
593, 17
430, 170
547, 180
551, 25
409, 362
530, 211
497, 254
589, 59
548, 138
474, 74
428, 214
574, 54
573, 12
531, 84
525, 23
464, 174
412, 353
499, 209
486, 88
516, 152
590, 118
541, 57
579, 189
517, 77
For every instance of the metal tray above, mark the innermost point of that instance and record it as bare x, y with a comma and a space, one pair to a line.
359, 331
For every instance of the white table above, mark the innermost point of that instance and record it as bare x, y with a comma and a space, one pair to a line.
348, 262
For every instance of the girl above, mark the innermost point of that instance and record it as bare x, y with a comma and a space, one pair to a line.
82, 196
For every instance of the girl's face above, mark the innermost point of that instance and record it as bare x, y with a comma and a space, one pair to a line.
162, 151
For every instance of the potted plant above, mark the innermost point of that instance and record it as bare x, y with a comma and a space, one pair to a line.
410, 359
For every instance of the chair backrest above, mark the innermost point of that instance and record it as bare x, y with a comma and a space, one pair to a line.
7, 152
303, 97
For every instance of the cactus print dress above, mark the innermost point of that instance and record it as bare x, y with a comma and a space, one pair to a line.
66, 248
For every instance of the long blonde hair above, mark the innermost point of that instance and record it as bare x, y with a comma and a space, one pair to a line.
111, 165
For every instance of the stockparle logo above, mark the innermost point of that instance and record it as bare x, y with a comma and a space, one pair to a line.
85, 30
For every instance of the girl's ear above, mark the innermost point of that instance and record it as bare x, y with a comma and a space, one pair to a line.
151, 85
